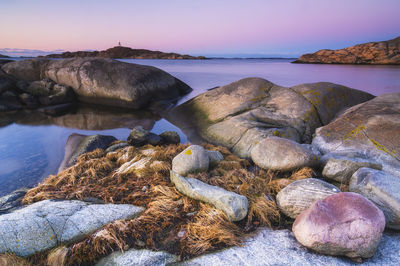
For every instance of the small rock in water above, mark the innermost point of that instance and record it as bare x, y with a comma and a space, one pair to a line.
341, 169
191, 160
281, 154
138, 136
383, 189
235, 206
343, 224
301, 194
170, 137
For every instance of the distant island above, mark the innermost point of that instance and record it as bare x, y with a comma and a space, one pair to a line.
3, 56
124, 53
374, 53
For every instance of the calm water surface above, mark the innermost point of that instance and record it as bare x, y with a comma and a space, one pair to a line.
32, 146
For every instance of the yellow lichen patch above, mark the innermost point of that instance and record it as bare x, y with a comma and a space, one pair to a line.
383, 148
277, 133
188, 152
313, 92
258, 98
354, 132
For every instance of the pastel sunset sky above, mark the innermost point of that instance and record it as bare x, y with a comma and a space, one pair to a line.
206, 27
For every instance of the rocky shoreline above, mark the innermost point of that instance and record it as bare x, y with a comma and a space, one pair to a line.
120, 52
306, 175
373, 53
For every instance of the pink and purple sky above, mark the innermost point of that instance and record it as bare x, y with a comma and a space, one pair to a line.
204, 27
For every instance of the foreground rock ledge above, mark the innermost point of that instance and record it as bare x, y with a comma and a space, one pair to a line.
46, 224
103, 81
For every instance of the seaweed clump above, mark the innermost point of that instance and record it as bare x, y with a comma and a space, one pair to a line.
171, 221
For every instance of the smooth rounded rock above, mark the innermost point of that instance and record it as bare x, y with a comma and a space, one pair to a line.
343, 224
282, 154
383, 189
191, 160
215, 157
341, 169
301, 194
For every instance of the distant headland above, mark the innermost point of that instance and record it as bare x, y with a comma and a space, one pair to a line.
373, 53
3, 56
122, 52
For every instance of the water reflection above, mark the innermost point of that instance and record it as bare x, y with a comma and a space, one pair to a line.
32, 143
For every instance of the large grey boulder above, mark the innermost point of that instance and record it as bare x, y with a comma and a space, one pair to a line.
48, 223
142, 257
282, 154
241, 114
235, 206
191, 160
279, 247
78, 144
369, 130
341, 169
383, 189
301, 194
103, 81
342, 224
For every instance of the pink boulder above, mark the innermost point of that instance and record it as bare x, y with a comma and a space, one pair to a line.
345, 224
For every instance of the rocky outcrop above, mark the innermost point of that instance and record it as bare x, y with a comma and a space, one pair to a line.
279, 247
382, 189
103, 81
235, 206
124, 52
47, 223
301, 194
282, 155
78, 144
241, 114
375, 53
344, 224
367, 131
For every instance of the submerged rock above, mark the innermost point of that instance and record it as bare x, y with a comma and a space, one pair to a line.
48, 223
383, 189
282, 155
241, 114
78, 144
343, 224
235, 206
369, 130
301, 194
142, 257
191, 160
341, 169
103, 81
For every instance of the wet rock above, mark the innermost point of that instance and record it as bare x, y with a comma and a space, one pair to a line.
103, 81
301, 194
57, 110
241, 114
117, 147
138, 136
235, 206
383, 189
215, 157
191, 160
40, 87
142, 257
170, 137
78, 144
58, 95
28, 100
341, 169
12, 200
343, 224
6, 82
279, 247
369, 130
47, 223
282, 154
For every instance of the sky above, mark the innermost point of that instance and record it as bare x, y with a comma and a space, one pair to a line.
201, 27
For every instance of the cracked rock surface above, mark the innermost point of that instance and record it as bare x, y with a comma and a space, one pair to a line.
241, 114
48, 223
